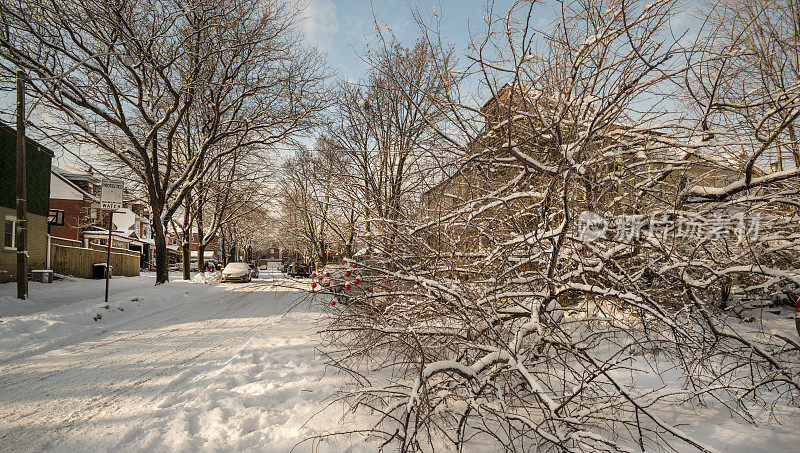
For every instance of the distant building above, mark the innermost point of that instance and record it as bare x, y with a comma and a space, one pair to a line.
77, 193
212, 251
273, 252
37, 162
79, 206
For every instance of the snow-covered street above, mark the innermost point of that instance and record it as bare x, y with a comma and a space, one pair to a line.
184, 366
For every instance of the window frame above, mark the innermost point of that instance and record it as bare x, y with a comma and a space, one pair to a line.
13, 220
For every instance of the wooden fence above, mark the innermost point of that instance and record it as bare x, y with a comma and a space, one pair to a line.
68, 258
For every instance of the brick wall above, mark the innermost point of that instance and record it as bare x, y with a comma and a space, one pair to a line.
75, 213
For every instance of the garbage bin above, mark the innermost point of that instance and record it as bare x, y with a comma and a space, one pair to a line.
99, 270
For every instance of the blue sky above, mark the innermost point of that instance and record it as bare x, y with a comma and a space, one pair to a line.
343, 28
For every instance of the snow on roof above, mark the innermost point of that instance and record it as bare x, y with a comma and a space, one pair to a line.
75, 173
55, 170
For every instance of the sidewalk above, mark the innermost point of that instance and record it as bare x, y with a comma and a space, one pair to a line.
46, 296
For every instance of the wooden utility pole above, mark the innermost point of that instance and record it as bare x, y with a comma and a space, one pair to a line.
21, 224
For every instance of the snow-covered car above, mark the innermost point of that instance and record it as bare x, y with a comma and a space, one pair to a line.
211, 265
253, 270
236, 272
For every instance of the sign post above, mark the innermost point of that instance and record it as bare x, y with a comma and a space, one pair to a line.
110, 199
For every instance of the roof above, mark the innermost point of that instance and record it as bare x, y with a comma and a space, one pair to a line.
76, 173
55, 170
97, 231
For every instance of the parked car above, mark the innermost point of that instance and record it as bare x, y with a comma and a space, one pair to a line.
211, 265
333, 274
299, 269
347, 283
236, 272
253, 270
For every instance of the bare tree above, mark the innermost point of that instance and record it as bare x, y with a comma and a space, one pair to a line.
383, 127
126, 77
561, 261
305, 204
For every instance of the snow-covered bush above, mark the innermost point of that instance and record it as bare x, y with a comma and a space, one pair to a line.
583, 265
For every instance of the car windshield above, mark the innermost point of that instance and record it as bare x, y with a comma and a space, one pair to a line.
233, 267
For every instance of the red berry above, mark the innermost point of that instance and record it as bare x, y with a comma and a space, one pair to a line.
356, 281
346, 273
320, 279
314, 275
347, 287
313, 285
327, 274
333, 302
355, 265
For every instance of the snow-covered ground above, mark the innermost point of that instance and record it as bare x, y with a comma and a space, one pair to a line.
189, 366
179, 367
46, 296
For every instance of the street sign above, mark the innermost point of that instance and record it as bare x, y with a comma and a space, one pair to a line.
111, 195
55, 217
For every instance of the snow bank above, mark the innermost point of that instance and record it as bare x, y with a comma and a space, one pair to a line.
46, 296
208, 278
31, 334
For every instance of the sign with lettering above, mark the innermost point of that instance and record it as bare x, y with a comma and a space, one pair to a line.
111, 195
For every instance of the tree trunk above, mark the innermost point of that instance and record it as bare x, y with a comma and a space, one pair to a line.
201, 262
162, 270
224, 251
186, 258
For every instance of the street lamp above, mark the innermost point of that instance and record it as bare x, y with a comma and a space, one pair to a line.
21, 224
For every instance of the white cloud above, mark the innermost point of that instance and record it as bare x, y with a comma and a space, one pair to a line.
320, 23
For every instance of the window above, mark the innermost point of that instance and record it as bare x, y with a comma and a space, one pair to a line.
10, 232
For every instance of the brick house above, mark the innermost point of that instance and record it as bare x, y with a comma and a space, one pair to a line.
38, 160
212, 251
79, 206
631, 157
